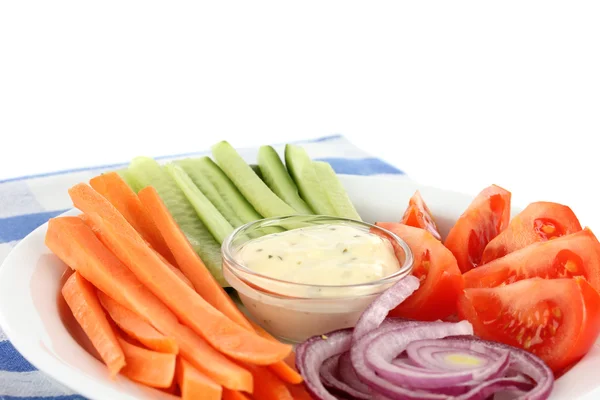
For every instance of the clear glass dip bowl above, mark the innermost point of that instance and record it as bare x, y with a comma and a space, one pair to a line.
294, 311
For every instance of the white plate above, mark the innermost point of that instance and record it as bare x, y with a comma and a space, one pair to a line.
30, 281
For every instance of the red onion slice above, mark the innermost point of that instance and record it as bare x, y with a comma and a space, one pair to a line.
348, 375
439, 358
402, 359
330, 378
517, 384
434, 374
311, 354
519, 360
328, 372
373, 368
378, 310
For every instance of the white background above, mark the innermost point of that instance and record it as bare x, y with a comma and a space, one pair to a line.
458, 94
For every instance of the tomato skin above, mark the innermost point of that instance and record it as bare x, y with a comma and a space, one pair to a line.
418, 215
562, 315
435, 266
577, 254
524, 229
484, 219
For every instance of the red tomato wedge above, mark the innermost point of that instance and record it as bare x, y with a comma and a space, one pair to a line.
418, 215
538, 222
555, 319
435, 266
577, 254
486, 217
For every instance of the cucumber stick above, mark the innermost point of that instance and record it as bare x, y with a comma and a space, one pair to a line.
277, 178
227, 190
193, 167
334, 190
147, 172
249, 184
207, 212
302, 170
257, 170
126, 176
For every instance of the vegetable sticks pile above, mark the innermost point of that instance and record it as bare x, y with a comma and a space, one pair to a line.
151, 308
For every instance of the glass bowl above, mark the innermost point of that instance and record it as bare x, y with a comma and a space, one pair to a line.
296, 311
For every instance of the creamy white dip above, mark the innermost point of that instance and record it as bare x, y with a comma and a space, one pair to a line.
332, 254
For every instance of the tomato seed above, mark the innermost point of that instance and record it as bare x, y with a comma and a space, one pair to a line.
556, 312
520, 336
571, 266
548, 229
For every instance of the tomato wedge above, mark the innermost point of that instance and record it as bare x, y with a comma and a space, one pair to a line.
555, 319
539, 221
418, 215
577, 254
435, 266
486, 217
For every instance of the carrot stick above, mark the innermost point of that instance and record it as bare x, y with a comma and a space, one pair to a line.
299, 392
286, 373
233, 395
187, 259
204, 282
88, 221
116, 190
220, 331
283, 369
133, 325
291, 361
76, 245
81, 297
194, 385
175, 270
267, 386
174, 388
148, 367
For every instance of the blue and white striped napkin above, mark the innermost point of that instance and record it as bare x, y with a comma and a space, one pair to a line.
28, 202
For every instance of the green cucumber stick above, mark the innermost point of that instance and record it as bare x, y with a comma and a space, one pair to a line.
193, 167
334, 190
206, 211
267, 203
146, 171
302, 170
227, 190
277, 178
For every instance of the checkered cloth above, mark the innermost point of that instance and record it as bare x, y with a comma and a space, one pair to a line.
28, 202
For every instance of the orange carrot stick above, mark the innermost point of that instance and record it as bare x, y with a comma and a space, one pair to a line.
175, 270
116, 190
148, 367
80, 295
291, 361
133, 325
187, 259
174, 388
299, 392
204, 282
233, 395
286, 373
194, 385
220, 331
76, 245
89, 222
267, 386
